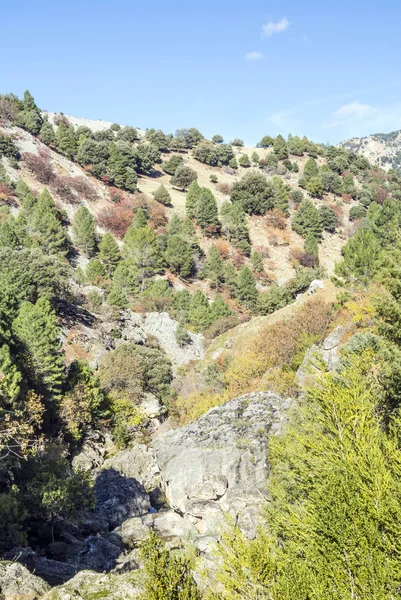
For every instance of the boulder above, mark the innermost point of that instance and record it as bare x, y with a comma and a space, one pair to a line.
17, 583
219, 463
100, 553
133, 531
327, 354
170, 525
88, 585
137, 462
119, 497
151, 406
93, 452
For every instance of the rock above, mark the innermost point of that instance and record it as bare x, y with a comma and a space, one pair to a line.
119, 497
17, 583
88, 585
163, 328
328, 353
219, 463
54, 571
133, 530
137, 462
100, 553
151, 406
93, 452
316, 284
170, 525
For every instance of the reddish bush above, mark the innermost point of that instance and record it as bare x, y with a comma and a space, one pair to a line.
84, 188
224, 188
308, 260
39, 165
237, 258
6, 193
223, 247
276, 218
381, 194
378, 175
117, 218
116, 195
347, 198
339, 214
62, 187
61, 119
158, 216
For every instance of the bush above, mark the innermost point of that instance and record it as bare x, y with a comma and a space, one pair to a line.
172, 164
117, 218
357, 212
183, 177
217, 139
254, 193
40, 166
162, 195
237, 142
244, 161
213, 178
182, 336
224, 188
220, 326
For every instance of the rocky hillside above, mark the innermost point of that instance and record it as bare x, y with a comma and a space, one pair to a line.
381, 149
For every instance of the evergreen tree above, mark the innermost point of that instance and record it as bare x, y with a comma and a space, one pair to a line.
47, 134
281, 194
95, 270
315, 187
120, 165
214, 266
244, 161
206, 212
311, 246
255, 158
348, 186
254, 193
140, 219
311, 169
231, 279
183, 177
257, 262
43, 224
66, 142
220, 308
39, 338
179, 256
84, 231
280, 147
307, 219
109, 252
361, 254
140, 247
328, 218
162, 195
234, 226
182, 336
10, 378
181, 302
247, 293
172, 164
30, 118
233, 163
199, 313
217, 139
174, 225
193, 195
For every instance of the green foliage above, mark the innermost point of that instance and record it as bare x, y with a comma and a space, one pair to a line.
29, 117
190, 137
360, 254
328, 218
182, 336
233, 163
348, 186
65, 141
310, 170
246, 293
257, 262
109, 253
220, 309
127, 134
237, 142
140, 247
8, 147
214, 267
206, 212
183, 177
193, 194
280, 148
95, 270
172, 164
234, 225
179, 256
357, 212
311, 246
162, 195
255, 158
281, 194
265, 142
38, 337
244, 161
315, 187
47, 134
84, 231
217, 139
12, 517
168, 576
213, 155
199, 313
307, 220
254, 193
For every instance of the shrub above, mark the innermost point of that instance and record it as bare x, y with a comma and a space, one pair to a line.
220, 326
162, 195
277, 219
244, 161
357, 212
213, 178
62, 186
40, 166
237, 142
171, 165
182, 336
117, 218
254, 193
183, 177
217, 139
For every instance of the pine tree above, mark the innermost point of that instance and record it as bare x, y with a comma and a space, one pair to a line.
310, 170
315, 187
193, 194
281, 194
231, 279
38, 334
162, 195
214, 267
247, 293
120, 165
109, 252
255, 158
220, 308
30, 118
257, 262
84, 231
199, 314
140, 247
311, 246
43, 224
66, 142
234, 226
307, 219
174, 225
10, 378
47, 134
280, 147
244, 161
183, 177
179, 256
207, 212
348, 186
140, 219
328, 218
182, 336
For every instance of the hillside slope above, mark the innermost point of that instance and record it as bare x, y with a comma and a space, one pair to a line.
381, 149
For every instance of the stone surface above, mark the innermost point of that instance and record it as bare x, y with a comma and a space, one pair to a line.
137, 462
88, 585
315, 285
151, 406
219, 463
100, 553
119, 497
17, 583
328, 354
170, 524
92, 452
133, 530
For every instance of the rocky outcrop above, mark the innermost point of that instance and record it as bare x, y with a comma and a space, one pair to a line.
88, 585
219, 463
17, 583
381, 149
327, 354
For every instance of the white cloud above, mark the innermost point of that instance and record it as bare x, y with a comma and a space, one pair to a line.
356, 119
271, 28
349, 113
254, 56
284, 120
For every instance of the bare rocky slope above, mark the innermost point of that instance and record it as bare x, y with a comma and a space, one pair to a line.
381, 149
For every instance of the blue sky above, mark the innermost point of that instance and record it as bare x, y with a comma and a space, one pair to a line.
241, 69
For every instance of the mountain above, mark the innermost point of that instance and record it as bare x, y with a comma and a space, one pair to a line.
381, 149
199, 364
